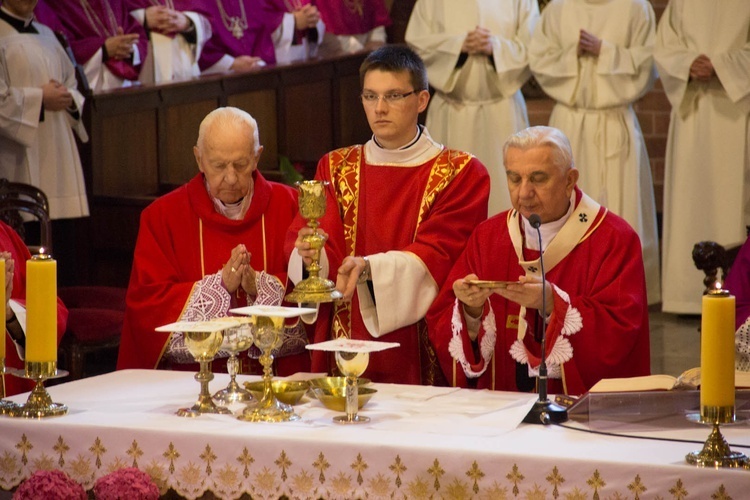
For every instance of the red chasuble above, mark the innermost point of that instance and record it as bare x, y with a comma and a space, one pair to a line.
352, 17
182, 239
10, 242
427, 210
600, 312
88, 23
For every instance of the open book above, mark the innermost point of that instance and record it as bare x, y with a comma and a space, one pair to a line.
689, 379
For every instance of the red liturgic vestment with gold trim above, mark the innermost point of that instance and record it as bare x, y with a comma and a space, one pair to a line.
600, 311
420, 212
182, 239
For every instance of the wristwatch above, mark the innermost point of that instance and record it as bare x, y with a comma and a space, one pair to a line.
365, 275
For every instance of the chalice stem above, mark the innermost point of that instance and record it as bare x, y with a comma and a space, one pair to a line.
352, 395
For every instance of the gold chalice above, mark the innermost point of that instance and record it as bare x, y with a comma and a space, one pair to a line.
203, 346
312, 206
236, 340
352, 365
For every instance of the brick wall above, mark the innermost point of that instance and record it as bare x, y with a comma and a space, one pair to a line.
653, 113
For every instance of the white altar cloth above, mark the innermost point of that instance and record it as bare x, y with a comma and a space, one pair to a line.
422, 442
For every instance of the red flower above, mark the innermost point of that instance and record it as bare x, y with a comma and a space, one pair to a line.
126, 484
50, 485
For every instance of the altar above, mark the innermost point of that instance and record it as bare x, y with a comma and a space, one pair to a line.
421, 442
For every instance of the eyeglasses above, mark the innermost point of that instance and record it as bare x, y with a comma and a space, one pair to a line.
371, 98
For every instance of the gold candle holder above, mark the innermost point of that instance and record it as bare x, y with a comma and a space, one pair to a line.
716, 452
352, 365
39, 404
203, 346
268, 335
312, 206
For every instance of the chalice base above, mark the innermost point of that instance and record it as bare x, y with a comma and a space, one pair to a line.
351, 419
232, 395
314, 290
269, 410
201, 407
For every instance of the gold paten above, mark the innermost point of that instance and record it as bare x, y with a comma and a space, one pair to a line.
203, 346
312, 206
268, 335
286, 391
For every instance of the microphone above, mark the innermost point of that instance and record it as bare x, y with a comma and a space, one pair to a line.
544, 411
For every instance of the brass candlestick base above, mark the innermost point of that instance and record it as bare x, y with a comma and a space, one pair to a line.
203, 346
39, 404
352, 365
268, 335
716, 452
312, 206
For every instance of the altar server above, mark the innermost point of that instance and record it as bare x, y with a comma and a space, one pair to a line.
476, 58
703, 57
595, 59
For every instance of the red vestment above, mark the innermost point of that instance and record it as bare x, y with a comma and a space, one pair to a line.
422, 210
183, 239
11, 242
601, 279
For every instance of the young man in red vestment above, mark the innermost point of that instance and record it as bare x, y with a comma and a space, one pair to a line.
211, 245
400, 209
15, 253
595, 292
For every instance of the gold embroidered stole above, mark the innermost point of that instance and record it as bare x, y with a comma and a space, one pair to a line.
345, 166
576, 229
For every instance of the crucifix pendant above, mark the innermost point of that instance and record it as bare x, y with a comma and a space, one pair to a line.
237, 30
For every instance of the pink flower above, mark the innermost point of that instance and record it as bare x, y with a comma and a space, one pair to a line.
126, 484
50, 485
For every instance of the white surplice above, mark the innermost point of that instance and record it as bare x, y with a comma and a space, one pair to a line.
478, 105
707, 181
40, 153
173, 58
594, 106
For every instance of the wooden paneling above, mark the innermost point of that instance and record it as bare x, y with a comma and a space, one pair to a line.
262, 105
177, 137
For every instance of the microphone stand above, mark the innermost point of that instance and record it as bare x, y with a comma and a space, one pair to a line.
544, 411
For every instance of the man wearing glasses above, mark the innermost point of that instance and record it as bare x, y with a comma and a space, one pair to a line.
400, 210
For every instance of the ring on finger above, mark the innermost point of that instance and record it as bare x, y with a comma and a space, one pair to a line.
234, 270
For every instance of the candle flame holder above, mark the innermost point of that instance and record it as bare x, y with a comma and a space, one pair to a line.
716, 452
312, 206
39, 404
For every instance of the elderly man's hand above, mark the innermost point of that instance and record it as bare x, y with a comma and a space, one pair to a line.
471, 296
236, 267
528, 293
9, 265
304, 247
348, 276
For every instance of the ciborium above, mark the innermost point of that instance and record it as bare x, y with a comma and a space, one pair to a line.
236, 340
39, 403
312, 206
268, 334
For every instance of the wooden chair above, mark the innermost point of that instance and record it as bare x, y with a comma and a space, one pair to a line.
95, 313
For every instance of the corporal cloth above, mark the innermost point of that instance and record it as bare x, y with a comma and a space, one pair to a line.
172, 56
11, 242
410, 212
182, 245
255, 40
707, 178
88, 24
599, 324
477, 102
594, 106
35, 150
